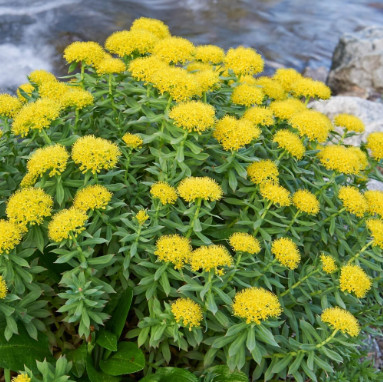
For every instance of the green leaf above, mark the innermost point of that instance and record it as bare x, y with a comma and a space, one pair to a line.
78, 359
297, 362
223, 374
171, 374
98, 376
107, 340
265, 335
128, 359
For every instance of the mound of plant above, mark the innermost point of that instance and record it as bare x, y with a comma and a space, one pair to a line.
168, 214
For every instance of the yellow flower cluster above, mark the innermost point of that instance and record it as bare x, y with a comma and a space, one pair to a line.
287, 108
341, 159
35, 115
349, 122
272, 88
21, 378
262, 171
328, 264
209, 54
354, 279
94, 197
187, 313
287, 77
53, 90
132, 141
376, 228
286, 252
51, 158
312, 124
89, 52
306, 201
256, 305
193, 188
174, 249
243, 60
164, 192
193, 116
197, 66
259, 116
95, 154
275, 194
9, 106
247, 95
110, 65
175, 50
374, 202
142, 217
211, 257
26, 88
3, 288
243, 242
308, 88
207, 80
39, 77
77, 98
289, 142
67, 224
10, 236
353, 200
144, 68
29, 206
375, 144
340, 319
157, 27
234, 134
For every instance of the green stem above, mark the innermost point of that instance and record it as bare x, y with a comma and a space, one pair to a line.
204, 97
86, 178
127, 165
7, 375
157, 211
82, 74
327, 340
342, 138
281, 155
265, 269
327, 184
76, 119
359, 253
196, 213
307, 100
266, 210
45, 137
299, 282
334, 215
238, 260
293, 221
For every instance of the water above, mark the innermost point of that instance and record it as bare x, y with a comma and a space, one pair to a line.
295, 33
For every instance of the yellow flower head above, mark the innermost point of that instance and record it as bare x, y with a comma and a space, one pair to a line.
35, 115
3, 288
193, 116
262, 171
125, 43
110, 65
353, 279
287, 108
9, 105
77, 98
132, 141
312, 124
286, 252
26, 88
340, 159
375, 144
210, 257
174, 249
29, 206
187, 313
141, 217
53, 90
272, 88
38, 77
179, 83
287, 77
328, 264
374, 202
349, 123
51, 158
157, 27
175, 50
275, 194
243, 60
362, 156
290, 142
144, 68
94, 197
164, 192
306, 201
256, 305
207, 80
234, 134
95, 154
21, 378
209, 54
309, 88
247, 95
342, 320
88, 52
376, 228
197, 66
259, 116
205, 188
243, 242
66, 224
353, 200
10, 236
246, 79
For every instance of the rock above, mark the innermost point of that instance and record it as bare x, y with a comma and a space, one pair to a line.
371, 113
357, 63
318, 74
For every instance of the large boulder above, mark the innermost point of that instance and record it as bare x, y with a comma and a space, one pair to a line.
357, 63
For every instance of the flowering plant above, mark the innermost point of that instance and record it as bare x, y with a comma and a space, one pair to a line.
169, 213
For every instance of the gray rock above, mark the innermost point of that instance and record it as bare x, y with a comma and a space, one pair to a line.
357, 63
319, 74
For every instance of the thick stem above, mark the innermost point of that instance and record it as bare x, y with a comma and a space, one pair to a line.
303, 279
359, 253
82, 74
196, 213
265, 269
76, 119
238, 260
266, 210
293, 221
7, 375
